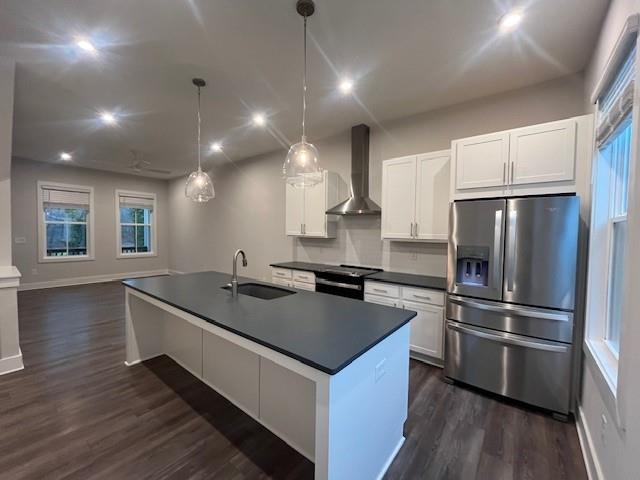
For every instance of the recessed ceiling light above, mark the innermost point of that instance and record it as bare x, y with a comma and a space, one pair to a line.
65, 156
259, 119
108, 118
86, 45
216, 147
346, 86
510, 21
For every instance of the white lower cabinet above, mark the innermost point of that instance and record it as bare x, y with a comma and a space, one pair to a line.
387, 302
305, 286
293, 278
427, 328
282, 282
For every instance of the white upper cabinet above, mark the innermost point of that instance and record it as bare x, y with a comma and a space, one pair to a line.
415, 196
481, 161
305, 208
432, 196
536, 160
294, 205
543, 153
398, 197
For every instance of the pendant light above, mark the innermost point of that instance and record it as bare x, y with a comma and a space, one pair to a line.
301, 168
199, 187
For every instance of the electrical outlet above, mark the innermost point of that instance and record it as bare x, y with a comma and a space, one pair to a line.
414, 256
380, 369
603, 429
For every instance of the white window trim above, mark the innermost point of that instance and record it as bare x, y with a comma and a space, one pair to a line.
42, 231
607, 374
154, 221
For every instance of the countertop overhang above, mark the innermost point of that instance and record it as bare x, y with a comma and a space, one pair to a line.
323, 331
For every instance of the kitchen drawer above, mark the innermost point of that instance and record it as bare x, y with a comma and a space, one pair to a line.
389, 302
528, 369
302, 276
421, 295
281, 281
305, 286
384, 289
281, 273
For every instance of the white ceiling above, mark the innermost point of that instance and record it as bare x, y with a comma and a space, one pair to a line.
407, 56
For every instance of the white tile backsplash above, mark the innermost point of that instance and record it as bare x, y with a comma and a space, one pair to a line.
358, 242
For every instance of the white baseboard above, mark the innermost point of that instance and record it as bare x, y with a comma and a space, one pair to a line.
11, 364
176, 272
391, 458
66, 282
594, 471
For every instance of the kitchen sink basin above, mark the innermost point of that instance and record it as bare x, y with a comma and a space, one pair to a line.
265, 292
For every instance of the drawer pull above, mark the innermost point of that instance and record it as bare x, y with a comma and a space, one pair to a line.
422, 297
380, 290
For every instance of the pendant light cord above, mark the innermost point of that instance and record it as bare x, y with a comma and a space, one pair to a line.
199, 167
304, 82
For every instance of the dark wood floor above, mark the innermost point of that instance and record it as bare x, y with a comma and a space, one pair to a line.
77, 412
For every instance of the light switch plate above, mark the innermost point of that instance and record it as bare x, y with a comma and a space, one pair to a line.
20, 240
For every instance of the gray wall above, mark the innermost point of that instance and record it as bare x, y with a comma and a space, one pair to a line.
248, 211
613, 445
25, 174
7, 77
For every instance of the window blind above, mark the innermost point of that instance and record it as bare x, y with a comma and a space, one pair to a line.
616, 102
64, 198
127, 201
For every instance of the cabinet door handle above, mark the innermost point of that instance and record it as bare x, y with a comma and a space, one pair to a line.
513, 167
504, 173
415, 230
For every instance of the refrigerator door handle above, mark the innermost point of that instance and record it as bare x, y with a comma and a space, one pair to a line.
511, 310
507, 338
511, 254
497, 244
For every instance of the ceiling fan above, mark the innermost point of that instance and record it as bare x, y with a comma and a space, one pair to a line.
140, 165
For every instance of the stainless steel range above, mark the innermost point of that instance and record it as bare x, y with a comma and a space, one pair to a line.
511, 290
344, 280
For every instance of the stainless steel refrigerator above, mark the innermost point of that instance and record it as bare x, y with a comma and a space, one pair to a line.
511, 295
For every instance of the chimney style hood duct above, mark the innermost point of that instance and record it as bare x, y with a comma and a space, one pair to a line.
359, 203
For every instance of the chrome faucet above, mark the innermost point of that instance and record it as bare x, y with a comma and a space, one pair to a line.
234, 278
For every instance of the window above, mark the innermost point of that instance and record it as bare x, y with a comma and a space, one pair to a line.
136, 223
608, 242
65, 225
615, 155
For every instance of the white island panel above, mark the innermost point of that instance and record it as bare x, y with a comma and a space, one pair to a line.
350, 423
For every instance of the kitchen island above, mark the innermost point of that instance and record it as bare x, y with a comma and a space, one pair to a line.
327, 374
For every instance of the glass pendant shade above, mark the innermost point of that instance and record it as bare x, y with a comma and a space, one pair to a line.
301, 168
199, 187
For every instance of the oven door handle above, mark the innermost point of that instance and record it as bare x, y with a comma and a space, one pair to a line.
507, 338
350, 286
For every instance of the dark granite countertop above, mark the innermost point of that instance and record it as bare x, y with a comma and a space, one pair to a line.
410, 279
304, 266
324, 331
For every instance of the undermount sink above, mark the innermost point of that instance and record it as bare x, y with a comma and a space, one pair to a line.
264, 292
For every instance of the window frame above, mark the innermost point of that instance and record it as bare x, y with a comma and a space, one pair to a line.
154, 221
42, 227
610, 372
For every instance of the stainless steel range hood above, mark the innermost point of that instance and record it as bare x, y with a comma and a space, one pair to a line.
359, 203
